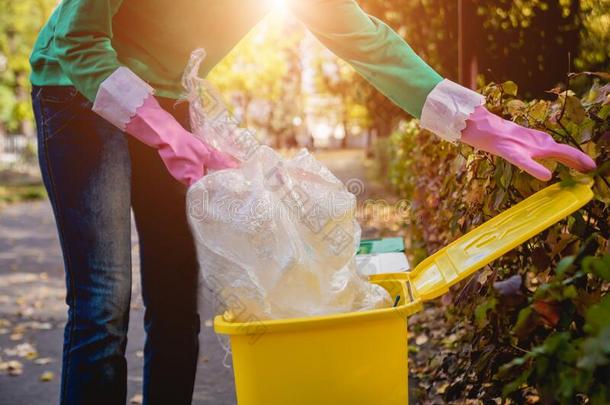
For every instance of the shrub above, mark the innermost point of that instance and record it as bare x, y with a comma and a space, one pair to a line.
538, 319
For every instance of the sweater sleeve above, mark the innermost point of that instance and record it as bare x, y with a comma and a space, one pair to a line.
83, 43
375, 51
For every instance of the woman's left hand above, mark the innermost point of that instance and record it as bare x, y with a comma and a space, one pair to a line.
519, 145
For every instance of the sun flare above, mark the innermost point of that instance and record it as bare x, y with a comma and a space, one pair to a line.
278, 4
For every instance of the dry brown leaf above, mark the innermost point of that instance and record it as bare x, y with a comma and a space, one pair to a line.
442, 388
136, 399
13, 367
421, 339
41, 361
532, 399
548, 310
25, 350
47, 376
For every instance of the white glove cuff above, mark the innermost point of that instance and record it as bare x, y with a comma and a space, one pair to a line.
120, 95
447, 108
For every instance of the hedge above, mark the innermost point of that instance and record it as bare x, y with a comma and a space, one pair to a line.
538, 319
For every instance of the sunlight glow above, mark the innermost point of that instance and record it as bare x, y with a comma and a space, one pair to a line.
278, 4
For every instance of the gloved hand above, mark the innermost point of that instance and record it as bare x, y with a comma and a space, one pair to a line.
519, 145
186, 156
127, 101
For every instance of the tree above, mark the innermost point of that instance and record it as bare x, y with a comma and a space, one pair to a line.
262, 76
523, 40
338, 83
528, 41
427, 27
594, 51
20, 22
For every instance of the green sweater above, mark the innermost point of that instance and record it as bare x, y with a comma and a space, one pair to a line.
84, 41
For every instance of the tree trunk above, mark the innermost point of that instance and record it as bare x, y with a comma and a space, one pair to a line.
246, 107
345, 125
468, 25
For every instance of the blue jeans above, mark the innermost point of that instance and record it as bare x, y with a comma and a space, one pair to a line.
95, 174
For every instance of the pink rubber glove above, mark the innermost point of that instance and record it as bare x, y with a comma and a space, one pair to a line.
185, 156
519, 145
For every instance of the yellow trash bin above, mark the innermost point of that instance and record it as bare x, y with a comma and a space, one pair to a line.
361, 357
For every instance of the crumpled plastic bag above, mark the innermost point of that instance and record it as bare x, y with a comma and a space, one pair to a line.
276, 237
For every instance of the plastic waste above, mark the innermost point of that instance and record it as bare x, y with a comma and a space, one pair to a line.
276, 237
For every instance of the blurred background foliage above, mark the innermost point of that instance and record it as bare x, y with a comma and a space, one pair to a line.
20, 22
527, 41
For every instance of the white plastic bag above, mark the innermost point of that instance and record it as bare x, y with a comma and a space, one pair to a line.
276, 237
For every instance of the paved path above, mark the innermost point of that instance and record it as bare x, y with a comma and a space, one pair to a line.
32, 311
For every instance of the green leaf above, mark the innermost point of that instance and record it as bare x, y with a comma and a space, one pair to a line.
574, 110
579, 226
598, 316
524, 322
600, 266
564, 265
516, 108
509, 88
539, 111
555, 342
480, 312
570, 292
517, 383
596, 351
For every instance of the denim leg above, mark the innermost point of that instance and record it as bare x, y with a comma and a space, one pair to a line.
169, 277
85, 165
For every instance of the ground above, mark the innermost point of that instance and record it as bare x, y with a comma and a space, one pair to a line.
33, 311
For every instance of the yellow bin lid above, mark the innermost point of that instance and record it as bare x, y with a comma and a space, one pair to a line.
453, 263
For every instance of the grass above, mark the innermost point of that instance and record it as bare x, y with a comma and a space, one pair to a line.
23, 192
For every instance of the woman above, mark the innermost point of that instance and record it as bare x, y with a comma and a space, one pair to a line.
107, 144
